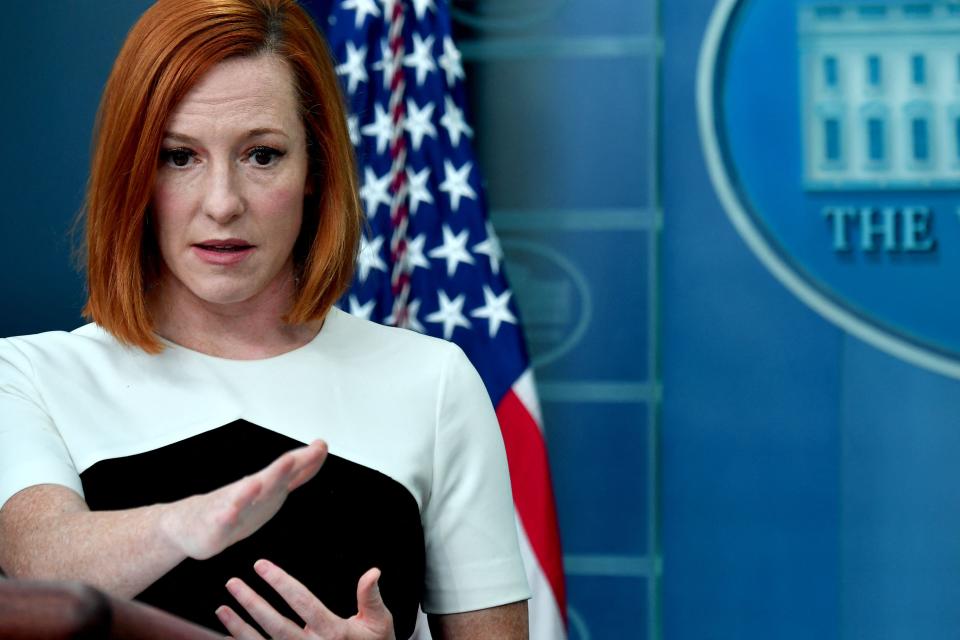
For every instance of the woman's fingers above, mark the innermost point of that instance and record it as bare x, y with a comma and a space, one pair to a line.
237, 626
202, 526
306, 605
278, 472
372, 622
310, 460
370, 606
247, 491
260, 610
293, 468
369, 600
284, 474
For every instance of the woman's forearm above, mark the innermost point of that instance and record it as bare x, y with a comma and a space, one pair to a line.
48, 532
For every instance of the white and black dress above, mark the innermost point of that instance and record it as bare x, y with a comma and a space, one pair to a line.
415, 484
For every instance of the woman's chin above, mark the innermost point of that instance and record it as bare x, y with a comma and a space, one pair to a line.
219, 294
228, 298
230, 289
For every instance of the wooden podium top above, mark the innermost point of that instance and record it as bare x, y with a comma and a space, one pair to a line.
34, 610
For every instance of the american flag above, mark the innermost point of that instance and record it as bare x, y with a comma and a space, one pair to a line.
431, 261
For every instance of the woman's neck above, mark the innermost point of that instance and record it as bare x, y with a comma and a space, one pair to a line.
247, 330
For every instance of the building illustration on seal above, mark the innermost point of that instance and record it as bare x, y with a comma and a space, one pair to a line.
880, 95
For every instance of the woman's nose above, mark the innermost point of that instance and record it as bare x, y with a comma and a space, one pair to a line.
223, 200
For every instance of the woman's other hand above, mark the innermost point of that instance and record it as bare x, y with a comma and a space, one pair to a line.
202, 526
373, 620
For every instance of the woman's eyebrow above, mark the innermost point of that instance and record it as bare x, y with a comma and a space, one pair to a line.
265, 130
180, 137
252, 133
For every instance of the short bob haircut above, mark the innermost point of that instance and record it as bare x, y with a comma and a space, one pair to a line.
166, 52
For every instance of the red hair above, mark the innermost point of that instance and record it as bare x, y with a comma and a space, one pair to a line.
166, 52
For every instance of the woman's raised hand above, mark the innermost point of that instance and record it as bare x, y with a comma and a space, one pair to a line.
202, 526
373, 620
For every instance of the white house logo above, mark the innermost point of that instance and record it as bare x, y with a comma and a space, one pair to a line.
832, 135
554, 298
881, 96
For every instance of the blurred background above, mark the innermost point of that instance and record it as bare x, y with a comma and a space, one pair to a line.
727, 462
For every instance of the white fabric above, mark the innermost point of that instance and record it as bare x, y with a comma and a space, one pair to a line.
409, 406
525, 388
546, 621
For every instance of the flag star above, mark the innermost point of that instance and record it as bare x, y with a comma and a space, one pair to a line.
414, 257
381, 127
421, 58
374, 191
410, 321
455, 183
453, 121
418, 122
450, 61
362, 310
363, 9
353, 126
491, 248
453, 250
387, 64
417, 188
450, 314
495, 309
420, 7
355, 67
369, 256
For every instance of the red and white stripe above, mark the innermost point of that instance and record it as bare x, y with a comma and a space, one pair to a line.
399, 207
521, 424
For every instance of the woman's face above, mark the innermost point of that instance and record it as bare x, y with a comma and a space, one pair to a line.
228, 200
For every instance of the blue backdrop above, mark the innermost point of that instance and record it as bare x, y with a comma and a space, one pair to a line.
809, 484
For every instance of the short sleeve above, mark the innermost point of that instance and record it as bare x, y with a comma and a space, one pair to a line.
473, 557
31, 449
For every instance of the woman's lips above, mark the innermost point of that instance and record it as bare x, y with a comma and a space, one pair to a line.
222, 254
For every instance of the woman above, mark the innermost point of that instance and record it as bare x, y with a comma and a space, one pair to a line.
153, 452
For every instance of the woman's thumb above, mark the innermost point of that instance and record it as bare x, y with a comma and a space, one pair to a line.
369, 601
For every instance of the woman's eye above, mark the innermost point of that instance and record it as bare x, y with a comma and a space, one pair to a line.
264, 156
177, 157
